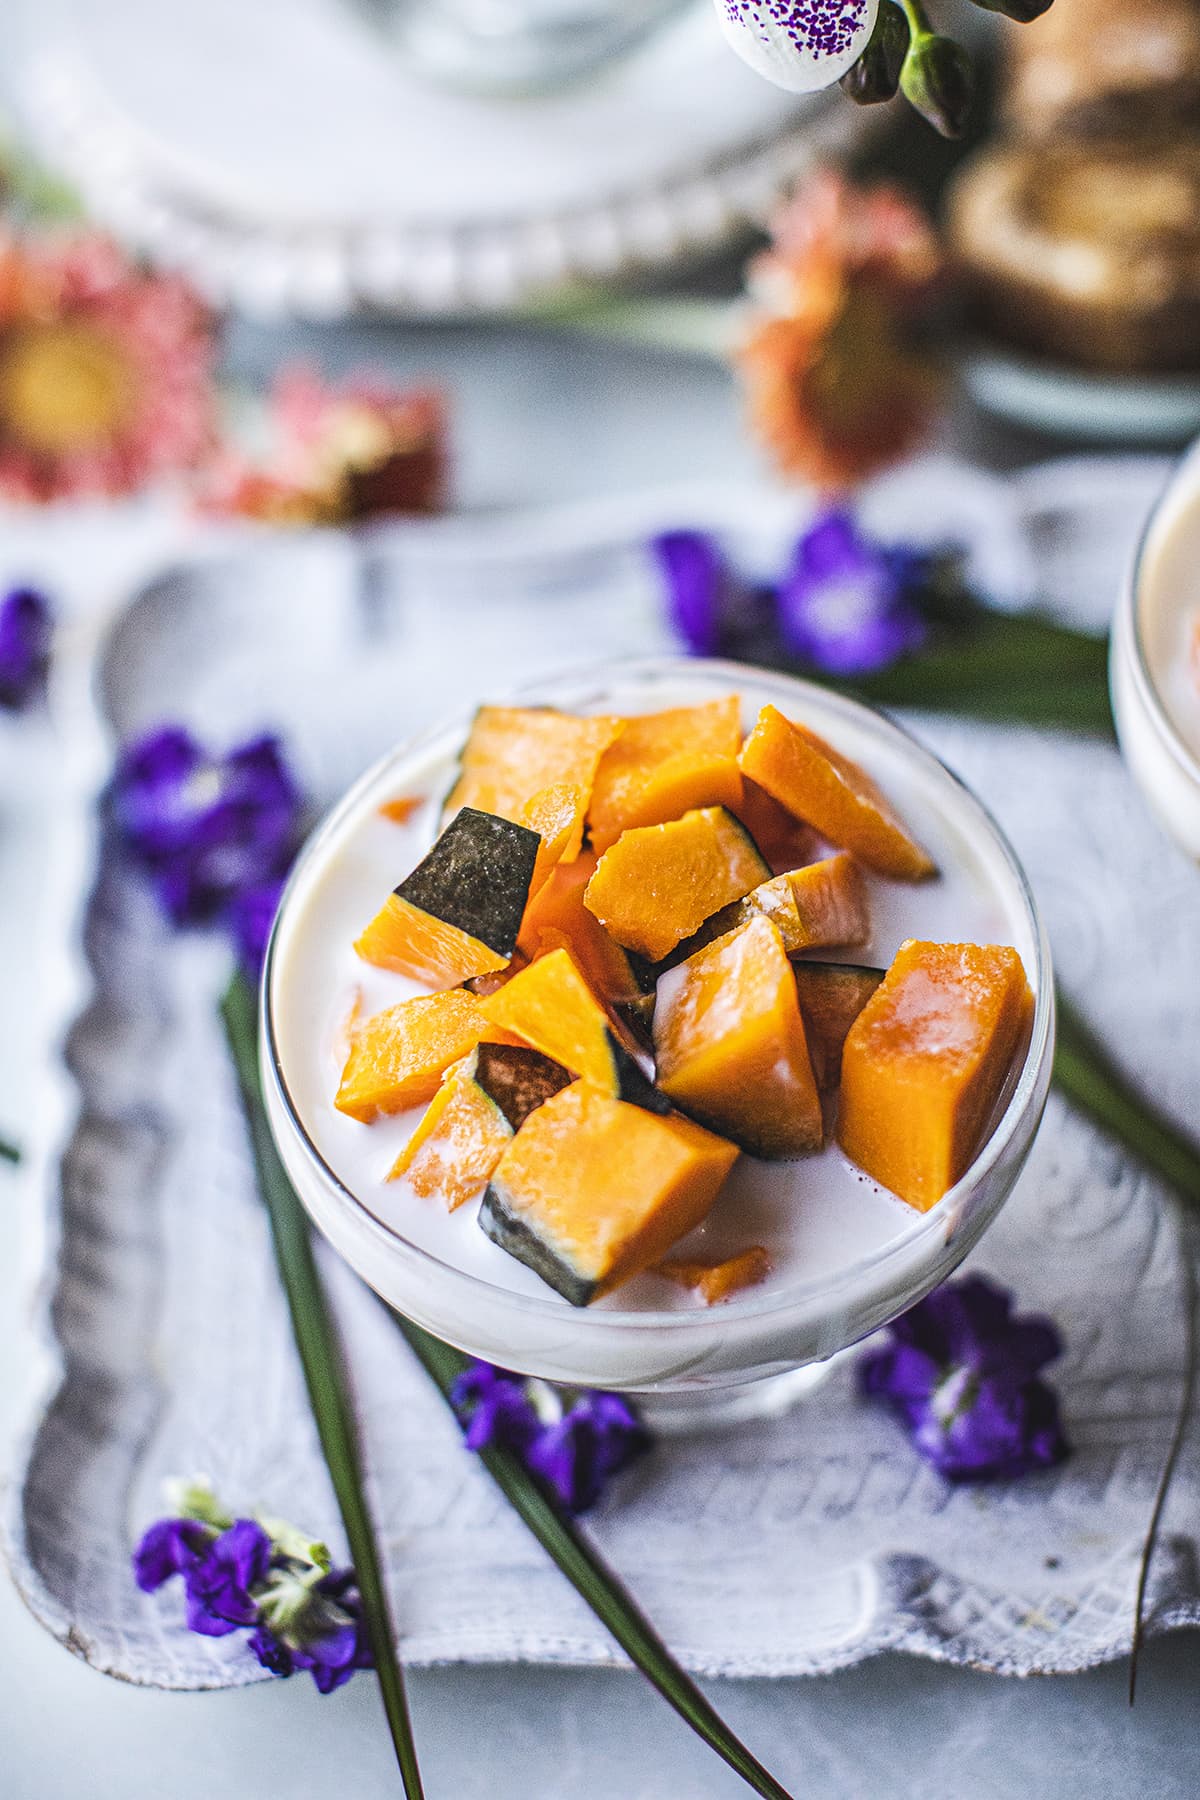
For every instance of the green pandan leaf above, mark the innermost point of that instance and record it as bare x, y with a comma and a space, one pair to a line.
321, 1359
320, 1353
9, 1152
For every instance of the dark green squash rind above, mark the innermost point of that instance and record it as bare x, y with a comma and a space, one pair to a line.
633, 1083
863, 978
513, 1234
517, 1080
476, 878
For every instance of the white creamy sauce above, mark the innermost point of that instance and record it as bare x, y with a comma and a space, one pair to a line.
815, 1216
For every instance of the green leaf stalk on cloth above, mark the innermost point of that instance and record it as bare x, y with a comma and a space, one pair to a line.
1087, 1076
9, 1152
324, 1371
316, 1340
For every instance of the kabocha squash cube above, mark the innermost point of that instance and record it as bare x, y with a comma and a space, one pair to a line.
592, 1190
821, 906
467, 1126
664, 764
925, 1062
786, 841
458, 914
830, 898
398, 1057
457, 1144
816, 783
831, 997
730, 1045
551, 1007
556, 918
658, 883
717, 1281
520, 761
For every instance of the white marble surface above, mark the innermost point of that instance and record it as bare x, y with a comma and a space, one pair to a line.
592, 420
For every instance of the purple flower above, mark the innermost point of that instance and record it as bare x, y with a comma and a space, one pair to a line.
205, 828
494, 1407
218, 1585
25, 632
169, 1547
249, 918
574, 1449
269, 1579
595, 1439
962, 1373
845, 605
700, 593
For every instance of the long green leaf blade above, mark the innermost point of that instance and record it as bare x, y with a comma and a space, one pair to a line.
1089, 1078
591, 1577
9, 1152
324, 1370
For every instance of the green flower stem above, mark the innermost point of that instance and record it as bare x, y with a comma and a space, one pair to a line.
9, 1152
591, 1577
324, 1370
919, 25
1085, 1073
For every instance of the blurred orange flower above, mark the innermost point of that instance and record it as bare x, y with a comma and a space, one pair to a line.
836, 382
337, 453
105, 369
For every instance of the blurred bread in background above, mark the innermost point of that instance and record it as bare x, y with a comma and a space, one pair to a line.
1077, 234
1104, 67
1088, 251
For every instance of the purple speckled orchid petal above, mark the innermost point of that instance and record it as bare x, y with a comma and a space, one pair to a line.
800, 45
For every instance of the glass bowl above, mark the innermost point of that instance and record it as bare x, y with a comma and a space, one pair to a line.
1162, 575
763, 1334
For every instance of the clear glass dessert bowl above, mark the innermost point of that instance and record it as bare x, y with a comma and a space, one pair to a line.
847, 1256
1154, 670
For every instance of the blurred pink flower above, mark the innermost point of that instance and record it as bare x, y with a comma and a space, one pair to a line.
105, 370
337, 452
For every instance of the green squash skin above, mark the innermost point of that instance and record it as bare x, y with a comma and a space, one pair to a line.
476, 878
633, 1084
727, 918
512, 1233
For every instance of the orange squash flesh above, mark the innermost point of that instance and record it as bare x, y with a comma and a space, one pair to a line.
831, 997
730, 1045
550, 1006
592, 1190
401, 810
831, 905
556, 918
514, 753
827, 790
556, 814
457, 1144
658, 883
717, 1281
925, 1061
785, 841
403, 938
398, 1057
664, 764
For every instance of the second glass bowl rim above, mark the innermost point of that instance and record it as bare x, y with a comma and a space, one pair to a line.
751, 1306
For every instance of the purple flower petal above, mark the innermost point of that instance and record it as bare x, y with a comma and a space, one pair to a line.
250, 916
844, 604
205, 829
597, 1438
218, 1586
962, 1373
272, 1652
698, 588
25, 632
169, 1547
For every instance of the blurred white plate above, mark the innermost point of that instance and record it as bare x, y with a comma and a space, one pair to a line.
284, 156
1080, 404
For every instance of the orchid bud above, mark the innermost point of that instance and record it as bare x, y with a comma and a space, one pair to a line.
800, 45
1023, 11
937, 80
876, 74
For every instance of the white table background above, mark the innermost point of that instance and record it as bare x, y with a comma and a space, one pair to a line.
538, 418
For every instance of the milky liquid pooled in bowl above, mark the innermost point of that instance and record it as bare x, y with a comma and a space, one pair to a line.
816, 1216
